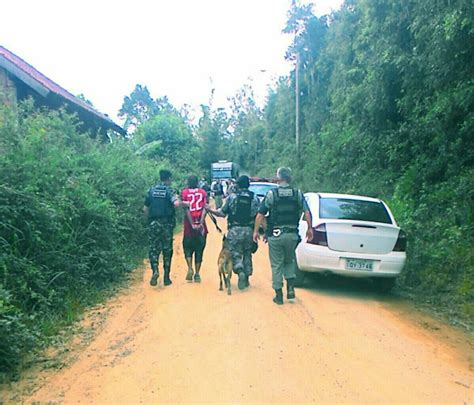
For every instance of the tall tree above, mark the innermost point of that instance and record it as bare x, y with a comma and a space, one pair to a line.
138, 107
212, 132
248, 130
387, 109
167, 136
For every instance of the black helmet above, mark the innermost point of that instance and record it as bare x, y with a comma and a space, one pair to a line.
243, 181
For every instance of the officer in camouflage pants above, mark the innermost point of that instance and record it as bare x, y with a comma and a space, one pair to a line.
239, 242
159, 209
240, 208
160, 236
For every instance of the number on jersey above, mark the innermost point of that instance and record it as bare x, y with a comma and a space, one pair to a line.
196, 202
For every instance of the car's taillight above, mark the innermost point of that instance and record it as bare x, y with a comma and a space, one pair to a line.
401, 245
319, 236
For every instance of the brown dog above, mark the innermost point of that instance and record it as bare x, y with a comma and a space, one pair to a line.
225, 267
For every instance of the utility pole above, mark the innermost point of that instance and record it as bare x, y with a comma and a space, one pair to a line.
297, 107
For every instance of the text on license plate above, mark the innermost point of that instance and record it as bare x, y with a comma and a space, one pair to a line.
359, 264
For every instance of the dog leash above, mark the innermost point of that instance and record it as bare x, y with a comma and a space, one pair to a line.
213, 219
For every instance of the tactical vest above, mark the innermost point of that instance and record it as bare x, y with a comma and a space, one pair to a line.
241, 210
286, 209
161, 206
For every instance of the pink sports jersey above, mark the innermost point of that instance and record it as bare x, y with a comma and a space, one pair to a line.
197, 199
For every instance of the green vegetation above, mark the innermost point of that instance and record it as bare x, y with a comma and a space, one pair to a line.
71, 222
387, 110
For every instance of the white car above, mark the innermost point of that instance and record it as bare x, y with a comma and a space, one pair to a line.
354, 236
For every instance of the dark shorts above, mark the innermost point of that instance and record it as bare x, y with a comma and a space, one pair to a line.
194, 245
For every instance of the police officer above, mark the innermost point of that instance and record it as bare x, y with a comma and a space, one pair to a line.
284, 205
241, 209
159, 209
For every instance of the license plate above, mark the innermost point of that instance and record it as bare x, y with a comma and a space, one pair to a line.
358, 264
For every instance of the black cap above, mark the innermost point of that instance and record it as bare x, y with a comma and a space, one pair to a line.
243, 181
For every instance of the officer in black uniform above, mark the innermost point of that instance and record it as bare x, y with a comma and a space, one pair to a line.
285, 205
240, 208
160, 204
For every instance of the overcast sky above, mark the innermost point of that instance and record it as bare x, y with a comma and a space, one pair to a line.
178, 48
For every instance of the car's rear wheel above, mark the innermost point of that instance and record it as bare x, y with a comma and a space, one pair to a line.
384, 284
300, 279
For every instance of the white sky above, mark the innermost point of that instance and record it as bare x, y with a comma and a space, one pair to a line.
102, 48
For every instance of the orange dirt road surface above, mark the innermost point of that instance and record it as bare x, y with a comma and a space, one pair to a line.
192, 343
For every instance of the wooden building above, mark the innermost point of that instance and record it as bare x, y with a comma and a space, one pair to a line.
19, 80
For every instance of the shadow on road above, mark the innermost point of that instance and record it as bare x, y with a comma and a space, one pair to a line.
356, 288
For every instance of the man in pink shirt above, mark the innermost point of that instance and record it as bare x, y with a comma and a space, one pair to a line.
195, 229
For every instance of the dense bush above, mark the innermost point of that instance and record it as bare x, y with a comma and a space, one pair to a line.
70, 222
399, 124
387, 110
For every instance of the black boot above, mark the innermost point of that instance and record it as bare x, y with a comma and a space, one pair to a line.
166, 279
242, 281
154, 276
278, 299
290, 289
167, 268
154, 267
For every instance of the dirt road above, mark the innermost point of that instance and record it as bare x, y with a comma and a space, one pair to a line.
192, 343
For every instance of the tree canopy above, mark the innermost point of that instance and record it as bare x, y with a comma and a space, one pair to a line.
387, 110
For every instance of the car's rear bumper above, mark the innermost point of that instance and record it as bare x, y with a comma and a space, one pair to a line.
320, 259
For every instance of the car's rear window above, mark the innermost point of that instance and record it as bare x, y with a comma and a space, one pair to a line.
358, 210
261, 189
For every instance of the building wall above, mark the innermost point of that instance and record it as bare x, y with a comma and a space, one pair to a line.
8, 94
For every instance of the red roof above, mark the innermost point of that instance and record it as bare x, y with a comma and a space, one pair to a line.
53, 87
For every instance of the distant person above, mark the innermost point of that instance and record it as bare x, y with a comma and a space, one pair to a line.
201, 183
284, 205
195, 229
240, 208
205, 186
231, 187
218, 191
159, 209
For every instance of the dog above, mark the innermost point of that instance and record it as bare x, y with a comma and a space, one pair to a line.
226, 268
